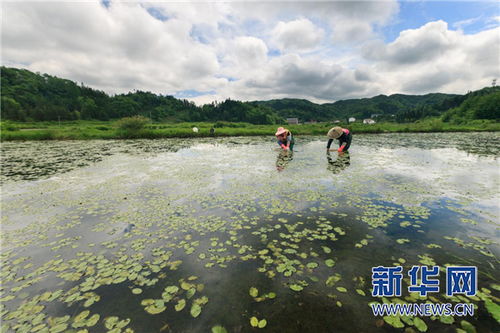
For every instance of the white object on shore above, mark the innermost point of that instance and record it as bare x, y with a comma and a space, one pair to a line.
195, 129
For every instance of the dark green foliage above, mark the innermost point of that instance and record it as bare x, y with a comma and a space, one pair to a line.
12, 110
28, 96
92, 129
236, 111
381, 107
419, 112
480, 104
300, 108
488, 107
8, 126
134, 123
221, 124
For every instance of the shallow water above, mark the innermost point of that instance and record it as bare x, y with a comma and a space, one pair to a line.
86, 223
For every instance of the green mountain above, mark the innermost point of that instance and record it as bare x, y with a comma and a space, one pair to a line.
40, 97
300, 108
381, 107
28, 96
479, 104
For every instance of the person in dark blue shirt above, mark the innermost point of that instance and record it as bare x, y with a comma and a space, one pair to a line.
343, 135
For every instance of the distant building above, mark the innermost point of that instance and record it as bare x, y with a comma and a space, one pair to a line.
292, 121
368, 121
311, 122
375, 115
336, 121
352, 119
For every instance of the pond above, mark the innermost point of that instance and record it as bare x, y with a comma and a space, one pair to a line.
229, 234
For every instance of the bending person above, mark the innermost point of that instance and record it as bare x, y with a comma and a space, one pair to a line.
285, 139
343, 135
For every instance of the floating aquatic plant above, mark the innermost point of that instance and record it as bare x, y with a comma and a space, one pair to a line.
159, 238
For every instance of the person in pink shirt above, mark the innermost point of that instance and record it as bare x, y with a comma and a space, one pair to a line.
343, 135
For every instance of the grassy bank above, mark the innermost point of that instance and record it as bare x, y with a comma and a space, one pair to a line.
86, 130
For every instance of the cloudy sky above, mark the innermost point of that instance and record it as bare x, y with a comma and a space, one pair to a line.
258, 50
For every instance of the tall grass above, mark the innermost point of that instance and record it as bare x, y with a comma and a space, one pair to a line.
86, 130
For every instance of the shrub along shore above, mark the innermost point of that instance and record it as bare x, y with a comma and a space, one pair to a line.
88, 130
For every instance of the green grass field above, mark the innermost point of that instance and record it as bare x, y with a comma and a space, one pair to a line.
86, 130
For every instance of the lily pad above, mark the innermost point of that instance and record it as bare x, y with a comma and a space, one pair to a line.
296, 287
180, 305
394, 321
254, 292
446, 319
330, 262
82, 315
468, 327
493, 309
254, 322
218, 329
326, 249
195, 310
420, 324
312, 265
332, 280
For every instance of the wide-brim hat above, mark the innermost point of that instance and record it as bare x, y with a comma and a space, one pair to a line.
280, 131
335, 132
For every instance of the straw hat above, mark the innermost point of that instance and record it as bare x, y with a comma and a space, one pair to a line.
335, 132
280, 131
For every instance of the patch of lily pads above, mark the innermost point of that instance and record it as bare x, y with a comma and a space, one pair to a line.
67, 245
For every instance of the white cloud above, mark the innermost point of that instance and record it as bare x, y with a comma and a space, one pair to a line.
320, 51
351, 32
368, 11
243, 52
414, 46
463, 23
434, 58
297, 35
123, 46
293, 76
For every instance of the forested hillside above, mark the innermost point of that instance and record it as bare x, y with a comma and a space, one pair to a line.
382, 107
39, 97
28, 96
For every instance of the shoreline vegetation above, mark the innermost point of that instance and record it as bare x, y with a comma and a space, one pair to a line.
142, 128
45, 107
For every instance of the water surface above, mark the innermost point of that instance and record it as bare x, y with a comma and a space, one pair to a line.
171, 235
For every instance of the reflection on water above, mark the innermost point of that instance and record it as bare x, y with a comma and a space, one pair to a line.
284, 157
41, 159
184, 235
336, 165
479, 143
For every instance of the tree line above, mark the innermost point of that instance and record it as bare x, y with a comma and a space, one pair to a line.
28, 96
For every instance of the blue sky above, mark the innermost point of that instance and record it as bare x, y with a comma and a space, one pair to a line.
414, 14
205, 50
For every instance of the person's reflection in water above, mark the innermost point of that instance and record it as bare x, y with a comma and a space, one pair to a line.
284, 157
340, 163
